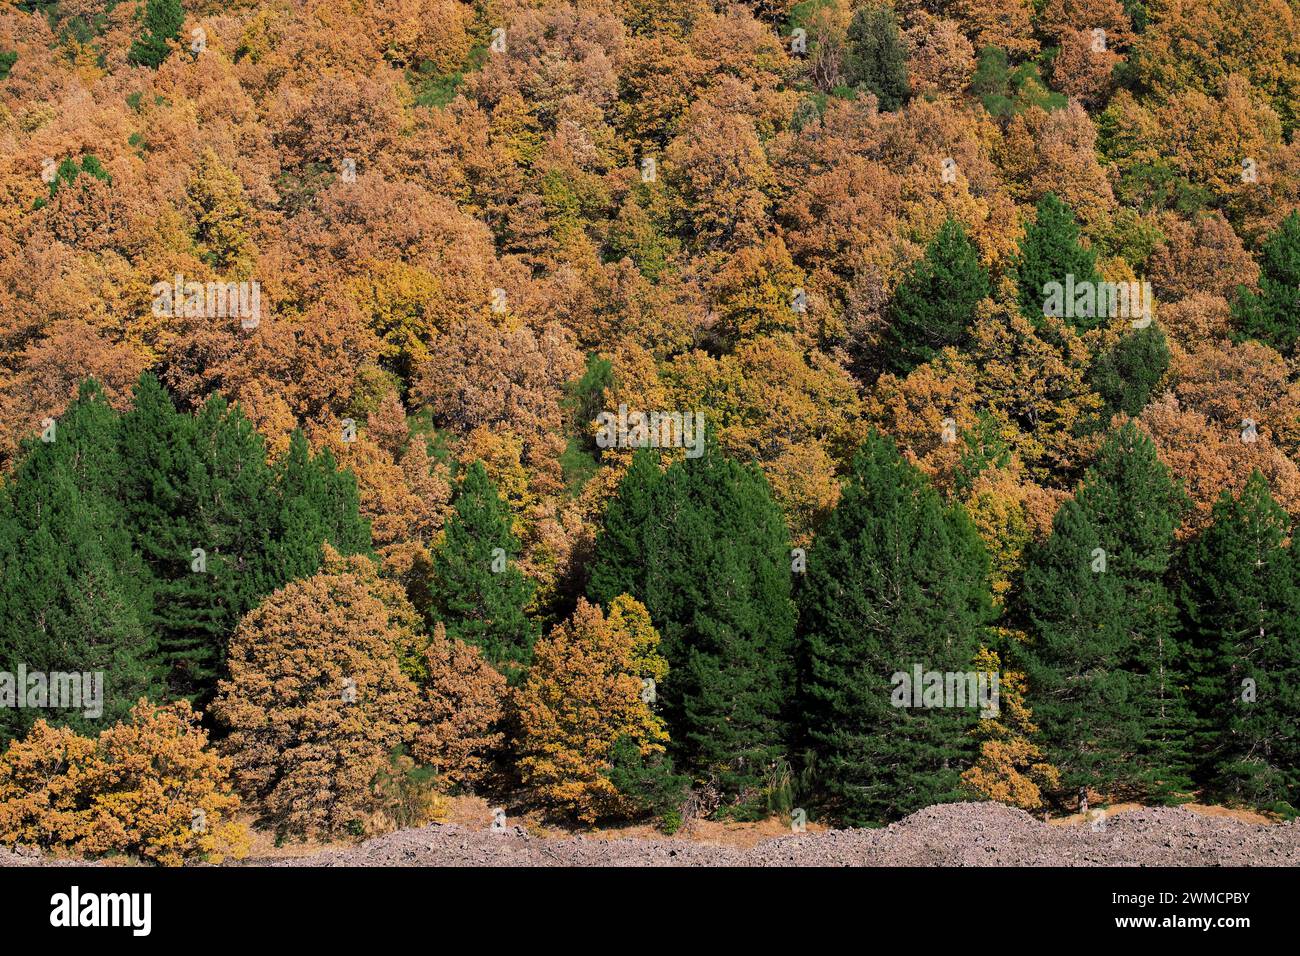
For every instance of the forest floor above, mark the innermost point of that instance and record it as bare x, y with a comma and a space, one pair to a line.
959, 834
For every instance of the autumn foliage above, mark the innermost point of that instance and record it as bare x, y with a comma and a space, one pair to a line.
375, 535
1011, 768
316, 699
583, 695
149, 786
461, 709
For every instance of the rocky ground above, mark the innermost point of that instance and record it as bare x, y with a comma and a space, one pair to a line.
960, 834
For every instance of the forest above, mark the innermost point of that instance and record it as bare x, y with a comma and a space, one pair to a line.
600, 406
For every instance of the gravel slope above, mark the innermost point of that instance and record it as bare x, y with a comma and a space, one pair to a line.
960, 834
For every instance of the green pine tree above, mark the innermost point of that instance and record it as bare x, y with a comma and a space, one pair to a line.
317, 503
1241, 600
875, 57
649, 782
1107, 669
1049, 252
1273, 314
76, 596
621, 554
935, 303
200, 500
706, 550
1005, 92
895, 579
476, 589
163, 20
1127, 374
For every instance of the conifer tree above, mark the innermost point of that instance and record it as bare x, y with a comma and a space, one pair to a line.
1006, 92
1241, 599
200, 500
1273, 314
1050, 252
1126, 375
706, 550
875, 57
317, 503
894, 580
935, 303
76, 596
476, 589
621, 554
1106, 668
163, 20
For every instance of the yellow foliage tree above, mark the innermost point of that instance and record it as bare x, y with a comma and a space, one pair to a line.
627, 614
148, 786
1011, 768
583, 694
401, 303
223, 218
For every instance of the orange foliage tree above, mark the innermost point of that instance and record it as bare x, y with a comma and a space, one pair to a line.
317, 698
148, 786
583, 695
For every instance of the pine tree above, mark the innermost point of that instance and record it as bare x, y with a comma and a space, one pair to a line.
894, 580
630, 516
1049, 252
1241, 600
1107, 669
935, 302
706, 550
76, 596
200, 500
1127, 374
1273, 314
990, 82
1006, 92
476, 589
875, 57
163, 20
318, 503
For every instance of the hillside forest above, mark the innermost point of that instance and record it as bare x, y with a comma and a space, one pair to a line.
598, 406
